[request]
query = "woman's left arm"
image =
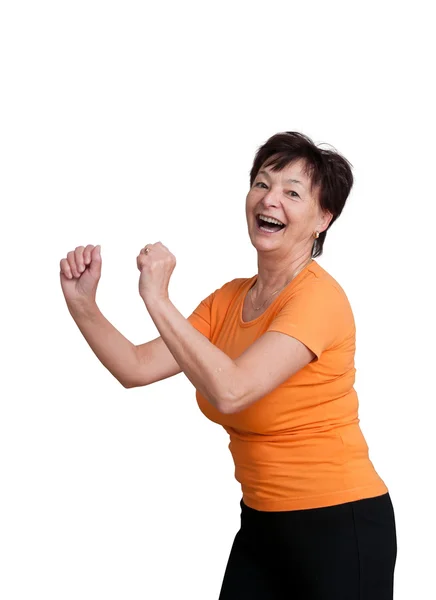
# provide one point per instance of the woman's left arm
(229, 385)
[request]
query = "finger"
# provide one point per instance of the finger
(87, 254)
(140, 261)
(80, 265)
(65, 269)
(72, 262)
(95, 264)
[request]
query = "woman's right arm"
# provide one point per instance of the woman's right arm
(131, 365)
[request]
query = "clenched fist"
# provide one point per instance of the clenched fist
(80, 274)
(156, 264)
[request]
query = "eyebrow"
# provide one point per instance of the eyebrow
(287, 180)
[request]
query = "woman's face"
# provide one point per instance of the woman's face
(286, 196)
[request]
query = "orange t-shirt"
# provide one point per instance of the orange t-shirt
(299, 446)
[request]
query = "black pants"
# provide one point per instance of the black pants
(343, 552)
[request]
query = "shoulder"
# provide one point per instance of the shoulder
(235, 285)
(221, 299)
(231, 289)
(315, 310)
(321, 276)
(319, 283)
(316, 295)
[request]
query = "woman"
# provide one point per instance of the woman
(272, 360)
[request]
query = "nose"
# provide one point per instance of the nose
(271, 198)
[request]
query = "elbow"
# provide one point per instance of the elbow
(128, 384)
(229, 409)
(236, 401)
(228, 405)
(222, 408)
(233, 398)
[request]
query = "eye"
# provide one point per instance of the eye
(260, 183)
(293, 194)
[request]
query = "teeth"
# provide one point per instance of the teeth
(270, 220)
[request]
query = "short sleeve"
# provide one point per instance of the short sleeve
(201, 318)
(316, 314)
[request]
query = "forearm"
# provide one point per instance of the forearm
(113, 350)
(209, 369)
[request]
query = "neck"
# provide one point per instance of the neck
(273, 276)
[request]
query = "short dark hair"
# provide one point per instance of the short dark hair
(327, 169)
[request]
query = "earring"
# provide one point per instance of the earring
(316, 234)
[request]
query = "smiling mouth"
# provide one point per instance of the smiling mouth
(268, 227)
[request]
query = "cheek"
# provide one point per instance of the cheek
(299, 216)
(250, 202)
(294, 213)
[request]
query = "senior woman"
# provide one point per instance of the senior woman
(272, 360)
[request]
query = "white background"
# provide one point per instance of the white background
(124, 123)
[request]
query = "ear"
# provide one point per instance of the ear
(326, 217)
